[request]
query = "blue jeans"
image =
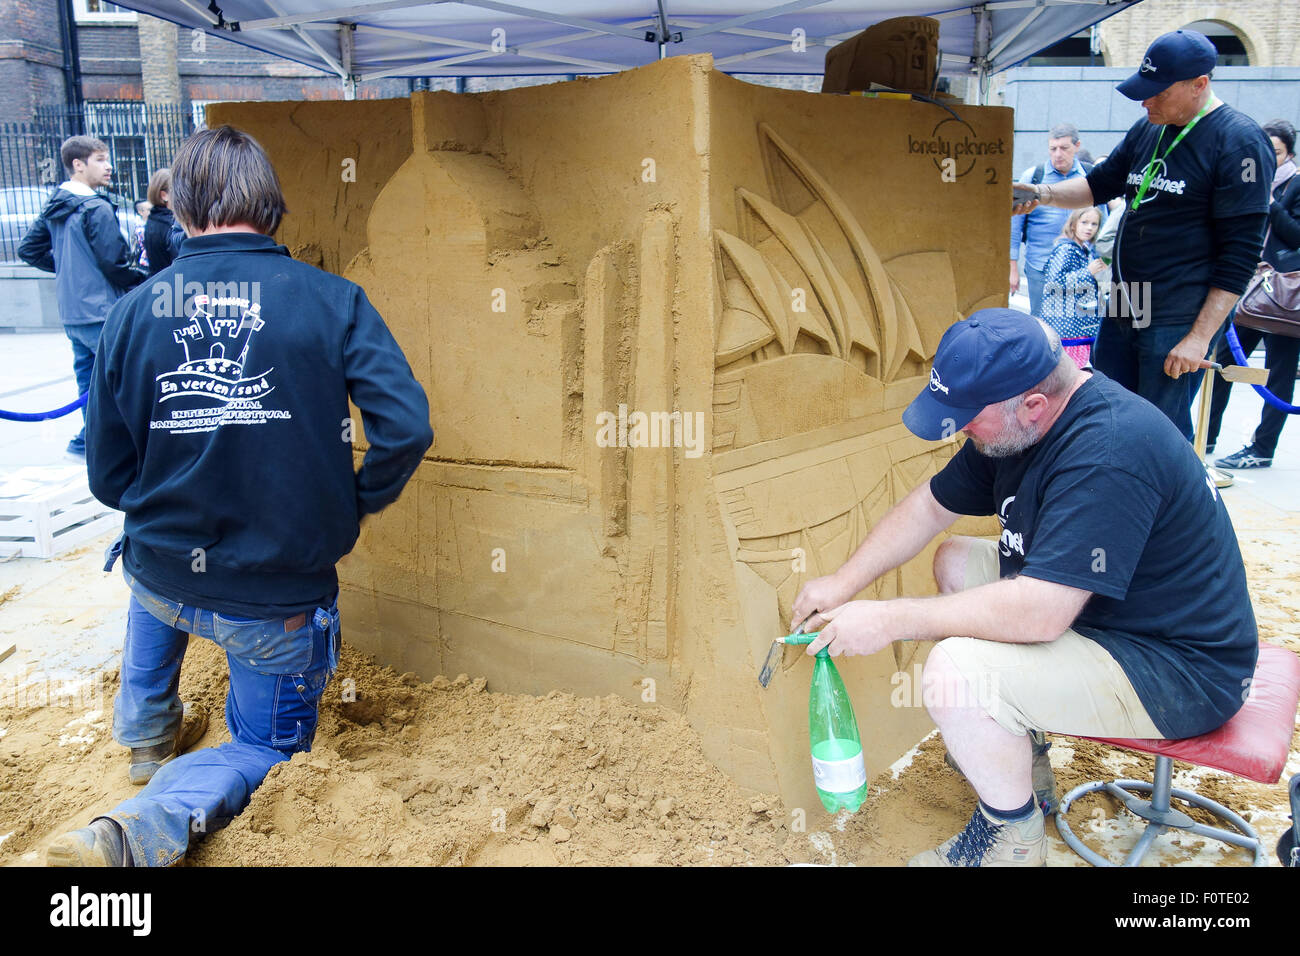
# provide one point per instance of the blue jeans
(85, 342)
(278, 671)
(1037, 278)
(1136, 359)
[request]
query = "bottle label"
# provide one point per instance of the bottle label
(839, 776)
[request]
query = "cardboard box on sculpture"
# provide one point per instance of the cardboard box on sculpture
(667, 321)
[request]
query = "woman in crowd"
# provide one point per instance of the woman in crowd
(1071, 296)
(1282, 252)
(162, 233)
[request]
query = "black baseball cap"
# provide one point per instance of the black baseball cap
(1181, 55)
(990, 357)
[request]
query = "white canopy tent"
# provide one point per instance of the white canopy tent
(370, 39)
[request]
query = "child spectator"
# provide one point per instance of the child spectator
(138, 253)
(1071, 296)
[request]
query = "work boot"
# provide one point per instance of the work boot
(1044, 778)
(990, 842)
(145, 761)
(101, 844)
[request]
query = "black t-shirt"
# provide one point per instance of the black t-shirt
(1114, 500)
(1223, 168)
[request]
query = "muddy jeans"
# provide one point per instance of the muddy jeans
(278, 670)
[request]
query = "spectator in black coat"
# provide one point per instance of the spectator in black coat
(1281, 352)
(162, 233)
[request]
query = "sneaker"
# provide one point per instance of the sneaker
(1248, 457)
(76, 450)
(145, 761)
(101, 844)
(990, 842)
(1044, 778)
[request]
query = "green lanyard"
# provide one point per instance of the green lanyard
(1151, 166)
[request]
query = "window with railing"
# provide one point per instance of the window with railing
(123, 126)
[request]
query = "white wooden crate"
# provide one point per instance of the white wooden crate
(48, 509)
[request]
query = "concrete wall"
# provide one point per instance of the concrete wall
(27, 300)
(1045, 95)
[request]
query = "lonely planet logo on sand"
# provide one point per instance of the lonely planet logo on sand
(956, 140)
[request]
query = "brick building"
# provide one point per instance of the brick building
(125, 56)
(1268, 31)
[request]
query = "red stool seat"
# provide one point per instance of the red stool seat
(1255, 743)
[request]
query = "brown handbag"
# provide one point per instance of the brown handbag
(1271, 303)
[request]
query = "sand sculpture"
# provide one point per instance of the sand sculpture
(901, 53)
(667, 321)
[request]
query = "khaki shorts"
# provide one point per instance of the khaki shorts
(1067, 686)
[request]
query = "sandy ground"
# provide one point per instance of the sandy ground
(448, 772)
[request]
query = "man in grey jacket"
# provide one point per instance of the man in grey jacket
(78, 239)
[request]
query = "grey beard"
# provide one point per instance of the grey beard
(1016, 439)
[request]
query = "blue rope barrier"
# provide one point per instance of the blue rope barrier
(1239, 357)
(1084, 341)
(42, 416)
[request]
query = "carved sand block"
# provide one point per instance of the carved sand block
(668, 322)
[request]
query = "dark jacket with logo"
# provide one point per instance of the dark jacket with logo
(163, 236)
(77, 238)
(218, 421)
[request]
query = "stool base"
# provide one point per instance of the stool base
(1159, 814)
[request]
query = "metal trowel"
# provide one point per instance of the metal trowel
(1242, 373)
(778, 646)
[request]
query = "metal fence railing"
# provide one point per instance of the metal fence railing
(140, 137)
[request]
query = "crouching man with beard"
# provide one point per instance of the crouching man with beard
(1113, 605)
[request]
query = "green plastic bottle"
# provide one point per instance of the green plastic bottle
(838, 769)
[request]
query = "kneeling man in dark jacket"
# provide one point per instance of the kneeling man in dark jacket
(218, 422)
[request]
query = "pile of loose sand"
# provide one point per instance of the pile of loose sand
(445, 771)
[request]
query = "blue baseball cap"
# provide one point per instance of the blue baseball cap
(990, 357)
(1181, 55)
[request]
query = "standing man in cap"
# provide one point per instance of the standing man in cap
(1079, 619)
(1195, 177)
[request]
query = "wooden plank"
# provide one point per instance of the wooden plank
(53, 518)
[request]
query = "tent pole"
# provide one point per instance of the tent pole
(346, 40)
(980, 55)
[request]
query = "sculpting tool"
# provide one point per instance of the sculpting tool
(778, 645)
(1242, 373)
